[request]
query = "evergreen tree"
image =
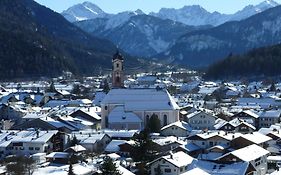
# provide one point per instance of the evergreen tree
(51, 88)
(74, 141)
(70, 169)
(105, 86)
(19, 165)
(154, 124)
(272, 87)
(76, 89)
(109, 167)
(143, 150)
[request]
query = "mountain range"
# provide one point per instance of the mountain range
(196, 15)
(193, 15)
(139, 35)
(201, 48)
(190, 36)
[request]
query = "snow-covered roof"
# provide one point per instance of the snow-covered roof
(178, 159)
(57, 124)
(190, 147)
(181, 124)
(113, 156)
(249, 153)
(99, 96)
(118, 115)
(113, 146)
(235, 123)
(141, 99)
(76, 148)
(167, 140)
(89, 139)
(147, 78)
(256, 137)
(222, 134)
(78, 102)
(207, 90)
(213, 168)
(197, 171)
(27, 136)
(271, 114)
(195, 113)
(121, 133)
(60, 155)
(251, 113)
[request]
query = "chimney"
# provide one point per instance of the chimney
(37, 133)
(171, 155)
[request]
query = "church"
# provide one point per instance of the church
(131, 108)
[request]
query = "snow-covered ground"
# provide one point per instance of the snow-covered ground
(78, 169)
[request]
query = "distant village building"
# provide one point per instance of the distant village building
(255, 155)
(178, 129)
(174, 163)
(201, 120)
(268, 118)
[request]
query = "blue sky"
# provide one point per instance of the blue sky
(115, 6)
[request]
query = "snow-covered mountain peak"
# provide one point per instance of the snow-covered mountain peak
(139, 12)
(266, 5)
(193, 7)
(83, 11)
(92, 7)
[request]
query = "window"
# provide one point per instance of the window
(117, 65)
(105, 108)
(37, 148)
(31, 148)
(165, 119)
(118, 79)
(203, 143)
(167, 170)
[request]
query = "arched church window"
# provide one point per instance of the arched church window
(118, 79)
(147, 118)
(165, 119)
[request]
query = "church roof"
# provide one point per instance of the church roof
(118, 56)
(118, 115)
(141, 99)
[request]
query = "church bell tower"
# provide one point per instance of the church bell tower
(118, 71)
